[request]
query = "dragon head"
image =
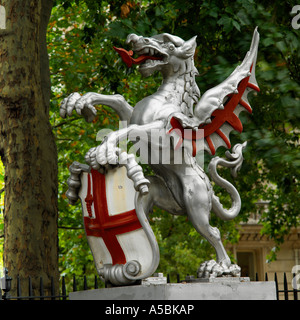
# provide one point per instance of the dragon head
(164, 52)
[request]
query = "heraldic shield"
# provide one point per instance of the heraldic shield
(122, 242)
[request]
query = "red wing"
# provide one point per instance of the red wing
(217, 112)
(223, 103)
(224, 121)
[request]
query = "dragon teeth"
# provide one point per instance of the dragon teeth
(149, 51)
(144, 51)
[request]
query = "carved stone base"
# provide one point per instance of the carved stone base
(218, 290)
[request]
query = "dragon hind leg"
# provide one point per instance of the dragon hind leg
(197, 199)
(222, 266)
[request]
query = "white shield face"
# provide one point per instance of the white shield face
(113, 230)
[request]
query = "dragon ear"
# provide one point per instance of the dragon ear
(166, 37)
(188, 48)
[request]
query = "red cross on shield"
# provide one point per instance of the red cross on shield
(112, 227)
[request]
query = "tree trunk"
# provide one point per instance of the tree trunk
(27, 145)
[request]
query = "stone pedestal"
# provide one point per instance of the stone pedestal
(213, 290)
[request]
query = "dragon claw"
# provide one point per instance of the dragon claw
(83, 105)
(213, 269)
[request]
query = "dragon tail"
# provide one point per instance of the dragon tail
(235, 164)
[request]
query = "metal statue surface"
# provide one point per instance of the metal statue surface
(177, 110)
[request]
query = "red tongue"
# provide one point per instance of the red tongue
(127, 57)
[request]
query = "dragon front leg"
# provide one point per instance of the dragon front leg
(108, 152)
(84, 105)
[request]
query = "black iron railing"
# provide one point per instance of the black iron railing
(76, 284)
(82, 284)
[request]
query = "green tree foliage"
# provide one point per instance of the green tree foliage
(80, 39)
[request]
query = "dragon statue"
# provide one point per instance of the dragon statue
(178, 110)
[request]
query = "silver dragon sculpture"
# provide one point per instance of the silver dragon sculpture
(177, 106)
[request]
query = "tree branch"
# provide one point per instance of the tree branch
(64, 139)
(70, 228)
(64, 122)
(1, 190)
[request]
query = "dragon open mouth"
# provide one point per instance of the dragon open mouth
(147, 56)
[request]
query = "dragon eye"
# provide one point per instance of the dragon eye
(171, 47)
(146, 40)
